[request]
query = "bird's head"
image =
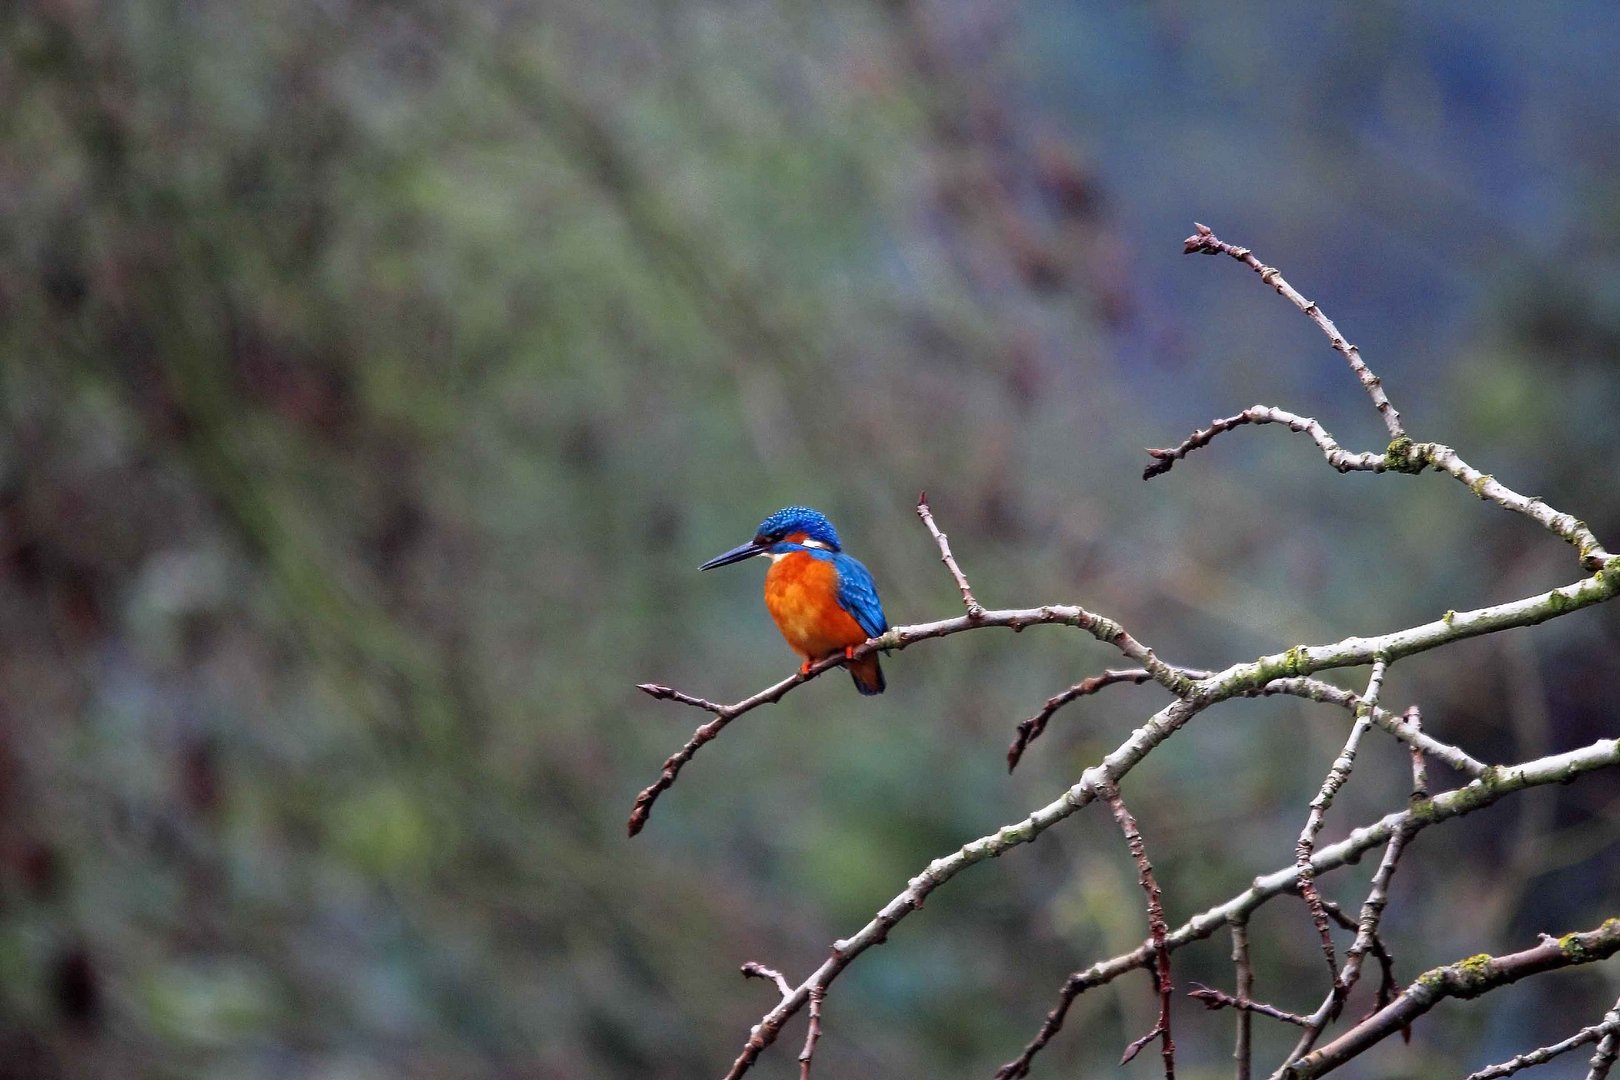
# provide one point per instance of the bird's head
(789, 528)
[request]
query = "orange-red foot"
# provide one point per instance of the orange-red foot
(804, 668)
(849, 652)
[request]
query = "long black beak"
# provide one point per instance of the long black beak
(736, 554)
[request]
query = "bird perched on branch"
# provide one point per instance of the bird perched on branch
(823, 601)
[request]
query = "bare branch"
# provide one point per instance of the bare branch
(1219, 999)
(1159, 727)
(1413, 719)
(1372, 913)
(1242, 1050)
(1400, 726)
(1206, 242)
(1570, 528)
(1239, 678)
(1452, 626)
(1606, 1029)
(974, 609)
(1403, 727)
(1157, 930)
(1372, 910)
(751, 970)
(1031, 729)
(1100, 627)
(1337, 456)
(1319, 691)
(1500, 782)
(1336, 777)
(1288, 672)
(723, 715)
(813, 1034)
(1388, 987)
(1402, 454)
(1463, 979)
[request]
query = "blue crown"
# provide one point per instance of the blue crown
(800, 519)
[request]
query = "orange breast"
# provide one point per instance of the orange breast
(801, 593)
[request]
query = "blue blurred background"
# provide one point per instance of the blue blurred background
(374, 377)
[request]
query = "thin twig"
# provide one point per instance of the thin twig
(1206, 242)
(1607, 1028)
(1366, 926)
(1219, 999)
(723, 715)
(1402, 455)
(1157, 930)
(1372, 909)
(1387, 987)
(1366, 941)
(1337, 456)
(1413, 718)
(751, 970)
(974, 609)
(1243, 1050)
(1463, 979)
(814, 1033)
(1031, 729)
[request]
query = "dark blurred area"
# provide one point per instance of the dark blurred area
(374, 377)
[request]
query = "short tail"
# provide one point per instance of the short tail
(867, 674)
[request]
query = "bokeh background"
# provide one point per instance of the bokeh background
(373, 377)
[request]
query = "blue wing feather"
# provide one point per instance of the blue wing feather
(857, 594)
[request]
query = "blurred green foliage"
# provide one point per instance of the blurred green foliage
(372, 378)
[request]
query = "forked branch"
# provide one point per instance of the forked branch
(1464, 979)
(1402, 454)
(1336, 778)
(1403, 727)
(896, 638)
(1288, 672)
(1497, 785)
(1204, 241)
(1606, 1030)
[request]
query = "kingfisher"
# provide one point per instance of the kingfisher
(823, 601)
